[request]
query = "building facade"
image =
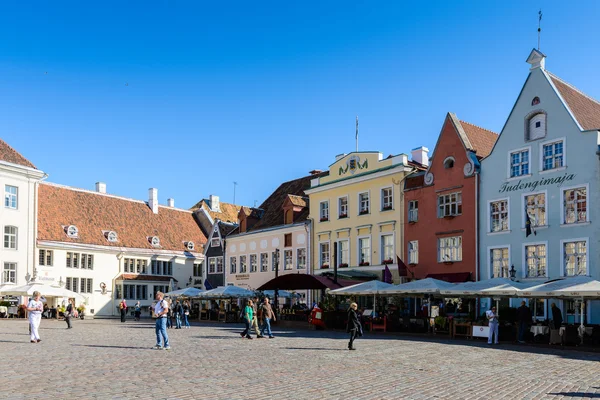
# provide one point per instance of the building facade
(357, 214)
(107, 247)
(537, 185)
(440, 205)
(18, 181)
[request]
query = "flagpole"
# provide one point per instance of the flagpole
(357, 133)
(539, 27)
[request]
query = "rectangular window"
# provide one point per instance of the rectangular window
(535, 259)
(364, 251)
(198, 268)
(10, 196)
(9, 273)
(215, 241)
(499, 216)
(413, 252)
(10, 237)
(82, 285)
(301, 258)
(450, 249)
(212, 265)
(46, 257)
(324, 211)
(264, 262)
(535, 207)
(499, 262)
(363, 203)
(144, 266)
(141, 292)
(154, 267)
(69, 262)
(275, 260)
(553, 155)
(287, 240)
(83, 261)
(575, 255)
(253, 263)
(75, 283)
(387, 249)
(343, 253)
(289, 259)
(387, 202)
(69, 286)
(413, 211)
(575, 205)
(324, 255)
(519, 163)
(138, 266)
(450, 205)
(243, 265)
(75, 260)
(233, 265)
(343, 207)
(90, 285)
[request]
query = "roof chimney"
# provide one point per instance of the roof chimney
(100, 187)
(421, 155)
(215, 205)
(315, 172)
(153, 200)
(171, 202)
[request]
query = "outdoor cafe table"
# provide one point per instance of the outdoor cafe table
(540, 330)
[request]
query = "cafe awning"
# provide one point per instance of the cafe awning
(305, 282)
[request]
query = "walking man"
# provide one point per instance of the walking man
(493, 324)
(161, 309)
(178, 314)
(524, 319)
(268, 315)
(255, 318)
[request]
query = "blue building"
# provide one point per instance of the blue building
(537, 186)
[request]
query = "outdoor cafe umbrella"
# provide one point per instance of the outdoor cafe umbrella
(226, 292)
(421, 286)
(187, 292)
(364, 288)
(45, 290)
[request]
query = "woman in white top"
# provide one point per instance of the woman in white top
(35, 308)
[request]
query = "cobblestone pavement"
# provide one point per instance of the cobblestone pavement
(104, 359)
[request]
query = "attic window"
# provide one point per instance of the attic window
(189, 245)
(449, 163)
(154, 241)
(535, 126)
(535, 101)
(111, 236)
(72, 231)
(215, 241)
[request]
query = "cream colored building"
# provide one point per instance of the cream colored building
(357, 215)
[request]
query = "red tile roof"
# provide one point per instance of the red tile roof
(132, 220)
(585, 109)
(298, 201)
(229, 212)
(481, 139)
(10, 155)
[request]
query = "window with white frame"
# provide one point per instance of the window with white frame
(499, 259)
(535, 207)
(449, 205)
(243, 265)
(535, 259)
(575, 205)
(538, 308)
(324, 254)
(499, 216)
(364, 251)
(553, 155)
(324, 211)
(160, 267)
(301, 258)
(450, 249)
(343, 207)
(413, 252)
(274, 260)
(233, 265)
(46, 257)
(413, 211)
(575, 258)
(343, 253)
(215, 241)
(212, 265)
(253, 262)
(219, 265)
(363, 203)
(10, 196)
(9, 273)
(519, 163)
(288, 256)
(387, 249)
(10, 237)
(264, 262)
(387, 201)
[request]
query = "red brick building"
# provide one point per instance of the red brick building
(440, 231)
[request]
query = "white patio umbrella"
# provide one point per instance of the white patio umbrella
(421, 286)
(187, 292)
(364, 288)
(226, 292)
(486, 288)
(45, 290)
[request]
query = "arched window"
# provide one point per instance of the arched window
(535, 101)
(535, 125)
(449, 163)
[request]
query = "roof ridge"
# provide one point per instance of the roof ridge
(75, 189)
(477, 126)
(573, 87)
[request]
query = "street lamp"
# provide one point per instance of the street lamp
(60, 282)
(512, 272)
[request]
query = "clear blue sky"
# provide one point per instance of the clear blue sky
(189, 96)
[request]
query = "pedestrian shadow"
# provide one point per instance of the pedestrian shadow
(11, 341)
(136, 326)
(577, 394)
(214, 337)
(101, 346)
(314, 348)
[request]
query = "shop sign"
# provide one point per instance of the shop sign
(533, 185)
(242, 276)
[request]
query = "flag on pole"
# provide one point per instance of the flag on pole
(528, 227)
(207, 285)
(402, 268)
(387, 275)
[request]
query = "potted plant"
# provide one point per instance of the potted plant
(363, 212)
(388, 261)
(364, 264)
(345, 215)
(325, 266)
(324, 219)
(342, 265)
(81, 311)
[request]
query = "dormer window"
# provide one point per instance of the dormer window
(535, 101)
(154, 241)
(536, 126)
(449, 163)
(72, 231)
(111, 236)
(190, 246)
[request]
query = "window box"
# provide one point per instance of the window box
(388, 261)
(412, 264)
(363, 212)
(448, 262)
(324, 219)
(386, 208)
(343, 265)
(364, 264)
(325, 266)
(343, 216)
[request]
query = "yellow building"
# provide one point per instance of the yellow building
(357, 213)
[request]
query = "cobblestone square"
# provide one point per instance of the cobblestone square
(104, 359)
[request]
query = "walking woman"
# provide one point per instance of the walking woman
(123, 309)
(354, 328)
(35, 308)
(69, 312)
(138, 311)
(186, 313)
(248, 314)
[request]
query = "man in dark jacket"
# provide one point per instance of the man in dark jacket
(524, 319)
(354, 328)
(556, 316)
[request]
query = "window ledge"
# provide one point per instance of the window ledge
(499, 233)
(575, 224)
(536, 228)
(514, 178)
(547, 171)
(386, 209)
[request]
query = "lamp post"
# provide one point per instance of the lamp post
(276, 292)
(512, 272)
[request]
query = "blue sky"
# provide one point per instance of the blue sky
(190, 96)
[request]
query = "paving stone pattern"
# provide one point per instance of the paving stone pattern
(104, 359)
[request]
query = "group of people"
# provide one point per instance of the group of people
(252, 313)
